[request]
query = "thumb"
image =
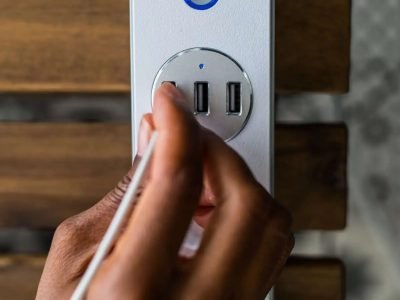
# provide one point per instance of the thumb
(97, 218)
(113, 198)
(76, 239)
(110, 203)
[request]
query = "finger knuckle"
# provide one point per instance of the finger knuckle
(115, 196)
(281, 217)
(180, 178)
(68, 230)
(255, 203)
(251, 206)
(256, 206)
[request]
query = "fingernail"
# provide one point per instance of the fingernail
(145, 132)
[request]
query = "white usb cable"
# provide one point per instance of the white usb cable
(188, 249)
(115, 227)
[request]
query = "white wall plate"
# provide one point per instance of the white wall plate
(187, 41)
(242, 30)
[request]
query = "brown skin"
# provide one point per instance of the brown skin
(194, 173)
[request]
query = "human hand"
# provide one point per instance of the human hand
(193, 174)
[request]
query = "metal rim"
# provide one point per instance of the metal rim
(177, 55)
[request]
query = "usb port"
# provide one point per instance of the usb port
(201, 97)
(234, 98)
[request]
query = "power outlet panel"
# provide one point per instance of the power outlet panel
(220, 54)
(215, 85)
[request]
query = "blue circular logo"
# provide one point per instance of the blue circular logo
(201, 4)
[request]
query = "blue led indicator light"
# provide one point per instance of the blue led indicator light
(201, 66)
(201, 4)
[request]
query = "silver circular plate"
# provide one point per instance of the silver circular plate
(218, 70)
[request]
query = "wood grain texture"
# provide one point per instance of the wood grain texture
(310, 175)
(312, 279)
(302, 279)
(51, 171)
(19, 276)
(67, 45)
(313, 45)
(83, 46)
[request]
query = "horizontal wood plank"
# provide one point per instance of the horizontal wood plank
(313, 45)
(83, 46)
(51, 171)
(19, 276)
(312, 279)
(311, 174)
(302, 279)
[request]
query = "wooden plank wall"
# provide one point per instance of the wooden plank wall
(311, 174)
(52, 171)
(76, 46)
(312, 45)
(321, 279)
(298, 281)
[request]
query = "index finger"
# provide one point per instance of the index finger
(160, 221)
